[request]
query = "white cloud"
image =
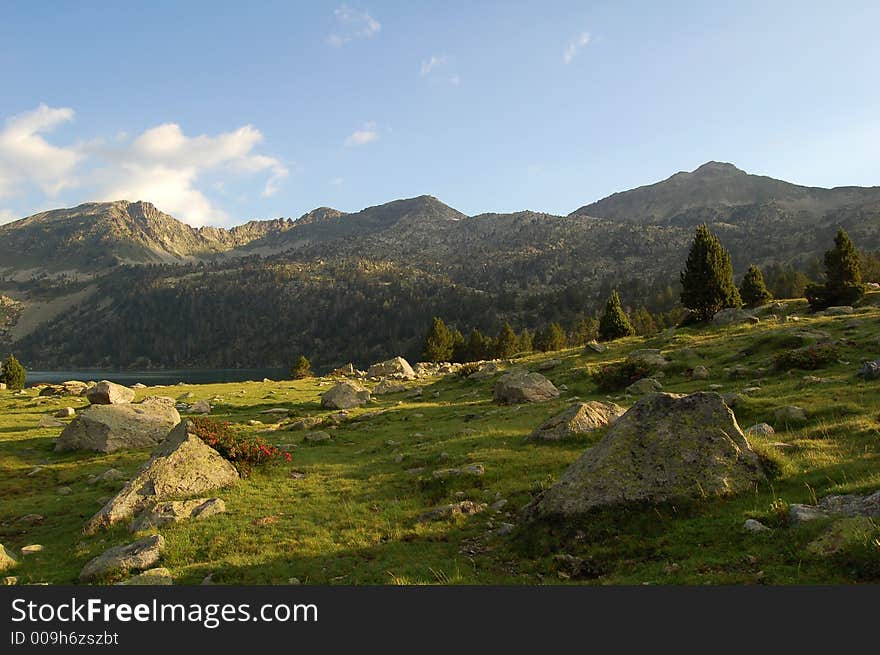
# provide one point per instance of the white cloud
(6, 215)
(363, 136)
(163, 165)
(352, 24)
(430, 64)
(575, 47)
(26, 158)
(455, 80)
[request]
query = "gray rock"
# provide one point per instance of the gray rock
(666, 447)
(397, 367)
(387, 386)
(760, 430)
(7, 559)
(150, 578)
(843, 534)
(843, 310)
(200, 407)
(318, 436)
(578, 419)
(798, 514)
(109, 393)
(596, 347)
(647, 357)
(107, 428)
(345, 395)
(65, 412)
(520, 386)
(49, 422)
(548, 364)
(165, 513)
(181, 466)
(870, 370)
(732, 316)
(751, 525)
(463, 508)
(475, 470)
(700, 373)
(844, 505)
(790, 414)
(643, 386)
(136, 556)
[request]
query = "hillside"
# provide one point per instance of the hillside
(723, 186)
(361, 286)
(351, 508)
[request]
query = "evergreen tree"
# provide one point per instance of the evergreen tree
(707, 280)
(752, 289)
(843, 276)
(643, 323)
(585, 330)
(476, 348)
(439, 342)
(508, 343)
(13, 373)
(458, 347)
(554, 338)
(526, 341)
(614, 324)
(302, 369)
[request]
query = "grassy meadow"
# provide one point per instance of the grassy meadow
(345, 511)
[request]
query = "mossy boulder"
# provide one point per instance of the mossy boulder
(107, 428)
(666, 447)
(173, 511)
(182, 465)
(520, 386)
(136, 556)
(109, 393)
(578, 419)
(844, 534)
(345, 395)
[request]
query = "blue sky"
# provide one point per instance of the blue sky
(220, 112)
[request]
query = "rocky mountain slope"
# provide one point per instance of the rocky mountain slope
(356, 286)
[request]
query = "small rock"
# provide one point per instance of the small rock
(65, 412)
(32, 549)
(751, 525)
(790, 414)
(760, 430)
(64, 491)
(150, 577)
(136, 556)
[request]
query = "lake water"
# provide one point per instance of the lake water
(167, 377)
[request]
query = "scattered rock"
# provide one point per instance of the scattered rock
(595, 346)
(49, 422)
(760, 430)
(520, 386)
(700, 373)
(648, 357)
(843, 310)
(751, 525)
(870, 370)
(387, 386)
(643, 386)
(345, 395)
(65, 412)
(463, 508)
(138, 385)
(548, 364)
(200, 407)
(107, 428)
(109, 393)
(844, 534)
(161, 514)
(665, 447)
(7, 560)
(732, 316)
(318, 436)
(64, 491)
(571, 567)
(136, 556)
(306, 423)
(397, 367)
(790, 414)
(580, 418)
(475, 470)
(32, 549)
(150, 578)
(110, 475)
(182, 465)
(843, 505)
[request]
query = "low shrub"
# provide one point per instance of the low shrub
(468, 369)
(619, 375)
(243, 450)
(808, 358)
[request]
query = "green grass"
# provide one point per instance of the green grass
(352, 518)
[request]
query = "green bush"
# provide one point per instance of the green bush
(619, 375)
(14, 374)
(809, 358)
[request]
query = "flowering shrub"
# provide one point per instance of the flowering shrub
(243, 450)
(809, 358)
(613, 377)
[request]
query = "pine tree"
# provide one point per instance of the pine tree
(302, 369)
(585, 330)
(458, 347)
(707, 280)
(439, 342)
(555, 338)
(643, 323)
(752, 289)
(526, 341)
(614, 324)
(476, 348)
(843, 276)
(14, 374)
(508, 343)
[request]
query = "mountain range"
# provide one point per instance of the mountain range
(150, 290)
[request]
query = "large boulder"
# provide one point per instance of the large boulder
(520, 386)
(643, 386)
(580, 418)
(7, 559)
(666, 447)
(345, 395)
(182, 465)
(173, 511)
(397, 367)
(107, 428)
(136, 556)
(732, 316)
(109, 393)
(649, 357)
(844, 505)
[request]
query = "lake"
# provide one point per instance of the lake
(167, 377)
